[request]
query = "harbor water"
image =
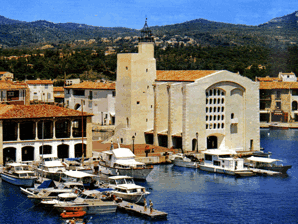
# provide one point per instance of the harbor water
(193, 196)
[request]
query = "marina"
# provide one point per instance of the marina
(190, 195)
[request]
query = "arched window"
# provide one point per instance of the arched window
(294, 105)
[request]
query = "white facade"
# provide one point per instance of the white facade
(41, 90)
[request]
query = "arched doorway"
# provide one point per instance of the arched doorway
(28, 153)
(46, 149)
(9, 154)
(77, 106)
(63, 151)
(212, 142)
(194, 144)
(78, 150)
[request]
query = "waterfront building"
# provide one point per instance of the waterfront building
(192, 109)
(96, 97)
(278, 98)
(41, 90)
(14, 92)
(29, 132)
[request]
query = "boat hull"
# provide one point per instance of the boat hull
(89, 209)
(216, 170)
(137, 198)
(185, 164)
(25, 182)
(280, 169)
(139, 174)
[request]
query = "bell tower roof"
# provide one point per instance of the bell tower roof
(146, 34)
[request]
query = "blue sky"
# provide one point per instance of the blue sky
(132, 13)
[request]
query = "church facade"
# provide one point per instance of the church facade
(193, 110)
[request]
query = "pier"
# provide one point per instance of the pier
(138, 210)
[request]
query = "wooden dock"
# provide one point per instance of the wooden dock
(139, 211)
(265, 172)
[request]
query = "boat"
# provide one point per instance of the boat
(74, 164)
(87, 179)
(225, 162)
(185, 161)
(121, 161)
(38, 187)
(51, 167)
(78, 214)
(90, 201)
(267, 164)
(125, 188)
(64, 197)
(18, 174)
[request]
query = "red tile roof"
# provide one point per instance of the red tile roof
(37, 111)
(268, 79)
(9, 85)
(182, 75)
(278, 85)
(93, 85)
(37, 82)
(58, 89)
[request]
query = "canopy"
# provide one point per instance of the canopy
(128, 162)
(46, 184)
(262, 159)
(78, 174)
(123, 153)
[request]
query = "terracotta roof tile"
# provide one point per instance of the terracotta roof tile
(93, 85)
(58, 89)
(268, 79)
(37, 111)
(36, 82)
(9, 85)
(182, 75)
(278, 85)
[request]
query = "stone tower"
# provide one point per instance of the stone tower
(136, 74)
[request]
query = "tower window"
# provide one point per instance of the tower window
(138, 102)
(126, 68)
(146, 69)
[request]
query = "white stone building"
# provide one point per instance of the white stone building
(41, 90)
(96, 97)
(192, 110)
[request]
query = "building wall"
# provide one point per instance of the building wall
(41, 93)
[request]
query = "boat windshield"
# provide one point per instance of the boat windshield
(120, 181)
(129, 181)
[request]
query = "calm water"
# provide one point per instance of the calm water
(193, 196)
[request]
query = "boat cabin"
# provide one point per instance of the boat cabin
(260, 162)
(119, 180)
(223, 159)
(130, 189)
(81, 177)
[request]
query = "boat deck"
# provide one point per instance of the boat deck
(139, 210)
(265, 172)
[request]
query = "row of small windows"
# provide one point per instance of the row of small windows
(215, 126)
(214, 118)
(214, 109)
(210, 101)
(215, 92)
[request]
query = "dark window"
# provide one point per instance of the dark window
(79, 92)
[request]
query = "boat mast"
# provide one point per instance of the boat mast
(82, 134)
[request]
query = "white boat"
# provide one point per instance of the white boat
(90, 201)
(87, 179)
(64, 197)
(18, 174)
(263, 163)
(182, 160)
(125, 188)
(51, 168)
(121, 161)
(74, 164)
(225, 162)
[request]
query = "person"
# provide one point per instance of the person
(147, 150)
(145, 204)
(150, 206)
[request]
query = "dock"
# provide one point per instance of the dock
(265, 172)
(139, 211)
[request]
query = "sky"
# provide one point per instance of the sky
(132, 13)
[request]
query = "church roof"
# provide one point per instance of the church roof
(182, 75)
(37, 111)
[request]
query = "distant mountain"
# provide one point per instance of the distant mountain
(278, 32)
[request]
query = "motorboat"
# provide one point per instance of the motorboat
(74, 164)
(267, 164)
(63, 197)
(125, 188)
(88, 180)
(121, 161)
(90, 201)
(225, 162)
(183, 160)
(50, 167)
(19, 174)
(38, 187)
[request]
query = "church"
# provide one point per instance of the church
(192, 110)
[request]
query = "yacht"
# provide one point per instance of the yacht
(121, 161)
(125, 188)
(64, 197)
(74, 164)
(87, 179)
(224, 161)
(51, 168)
(90, 201)
(18, 174)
